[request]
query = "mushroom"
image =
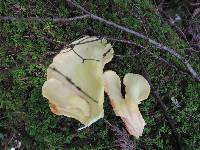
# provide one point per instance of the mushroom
(137, 89)
(74, 85)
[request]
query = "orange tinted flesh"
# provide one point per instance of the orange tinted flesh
(53, 108)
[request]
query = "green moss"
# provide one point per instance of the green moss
(24, 59)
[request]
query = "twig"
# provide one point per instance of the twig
(194, 4)
(177, 68)
(168, 117)
(123, 141)
(81, 42)
(178, 30)
(72, 83)
(127, 56)
(98, 38)
(116, 55)
(121, 41)
(71, 46)
(139, 35)
(65, 44)
(83, 59)
(10, 18)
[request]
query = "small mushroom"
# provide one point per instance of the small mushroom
(74, 85)
(137, 89)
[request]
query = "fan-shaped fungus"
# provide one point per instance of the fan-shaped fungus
(74, 85)
(137, 89)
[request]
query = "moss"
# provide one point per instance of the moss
(24, 59)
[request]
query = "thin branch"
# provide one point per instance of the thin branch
(66, 45)
(72, 83)
(177, 68)
(178, 30)
(10, 18)
(116, 55)
(127, 56)
(70, 46)
(168, 117)
(139, 35)
(81, 42)
(194, 4)
(83, 59)
(122, 141)
(121, 41)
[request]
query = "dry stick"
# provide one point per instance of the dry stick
(72, 83)
(83, 59)
(123, 138)
(194, 4)
(66, 45)
(115, 40)
(121, 41)
(71, 46)
(176, 67)
(140, 46)
(10, 18)
(145, 49)
(152, 42)
(178, 31)
(168, 117)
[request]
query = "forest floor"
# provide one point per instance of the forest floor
(26, 50)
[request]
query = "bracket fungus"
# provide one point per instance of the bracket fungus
(74, 85)
(137, 89)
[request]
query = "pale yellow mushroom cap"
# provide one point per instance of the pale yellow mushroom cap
(60, 104)
(75, 87)
(137, 89)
